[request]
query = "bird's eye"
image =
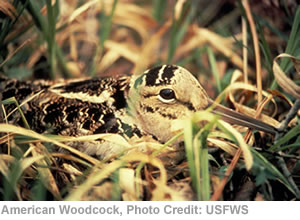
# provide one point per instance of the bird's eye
(167, 95)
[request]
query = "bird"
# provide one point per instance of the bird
(131, 106)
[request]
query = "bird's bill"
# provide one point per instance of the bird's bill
(234, 117)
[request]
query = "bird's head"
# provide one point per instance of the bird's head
(164, 94)
(167, 93)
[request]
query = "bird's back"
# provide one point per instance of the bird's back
(72, 108)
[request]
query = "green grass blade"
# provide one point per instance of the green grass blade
(266, 50)
(292, 45)
(106, 25)
(188, 143)
(158, 11)
(37, 17)
(107, 22)
(204, 164)
(214, 68)
(8, 24)
(293, 42)
(52, 15)
(179, 27)
(271, 168)
(265, 23)
(291, 147)
(10, 185)
(13, 100)
(197, 156)
(294, 132)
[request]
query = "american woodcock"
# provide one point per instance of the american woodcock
(130, 106)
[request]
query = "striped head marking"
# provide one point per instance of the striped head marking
(164, 94)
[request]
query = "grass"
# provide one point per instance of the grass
(72, 39)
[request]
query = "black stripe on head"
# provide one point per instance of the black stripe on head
(152, 75)
(154, 78)
(168, 73)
